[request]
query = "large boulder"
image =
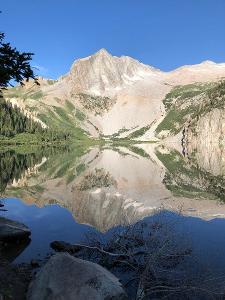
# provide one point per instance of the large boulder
(14, 280)
(70, 278)
(12, 230)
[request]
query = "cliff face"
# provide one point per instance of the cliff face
(206, 140)
(203, 128)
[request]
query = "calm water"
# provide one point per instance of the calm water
(67, 193)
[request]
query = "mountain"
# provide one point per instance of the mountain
(109, 96)
(103, 73)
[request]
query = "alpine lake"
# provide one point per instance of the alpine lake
(69, 192)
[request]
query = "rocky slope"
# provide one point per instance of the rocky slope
(107, 95)
(206, 142)
(196, 115)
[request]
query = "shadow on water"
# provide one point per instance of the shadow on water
(47, 224)
(53, 222)
(11, 251)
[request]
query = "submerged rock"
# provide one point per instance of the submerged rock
(61, 246)
(13, 230)
(66, 277)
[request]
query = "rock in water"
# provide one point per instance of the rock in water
(69, 278)
(12, 230)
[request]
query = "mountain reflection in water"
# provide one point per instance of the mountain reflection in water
(104, 187)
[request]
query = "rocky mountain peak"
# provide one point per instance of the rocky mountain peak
(102, 52)
(208, 62)
(103, 73)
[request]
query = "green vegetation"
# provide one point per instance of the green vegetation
(69, 110)
(96, 179)
(58, 118)
(15, 92)
(13, 121)
(185, 179)
(13, 165)
(119, 148)
(74, 172)
(65, 118)
(37, 95)
(62, 114)
(139, 151)
(61, 121)
(17, 128)
(175, 119)
(80, 115)
(69, 105)
(80, 168)
(116, 134)
(96, 104)
(14, 65)
(46, 137)
(51, 81)
(185, 92)
(60, 161)
(66, 163)
(139, 132)
(34, 93)
(38, 188)
(133, 135)
(21, 138)
(188, 103)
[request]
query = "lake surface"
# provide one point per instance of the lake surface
(69, 192)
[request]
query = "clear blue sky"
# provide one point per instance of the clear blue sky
(162, 33)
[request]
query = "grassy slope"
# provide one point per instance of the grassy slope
(66, 118)
(190, 102)
(183, 103)
(188, 180)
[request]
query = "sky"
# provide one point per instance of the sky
(162, 33)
